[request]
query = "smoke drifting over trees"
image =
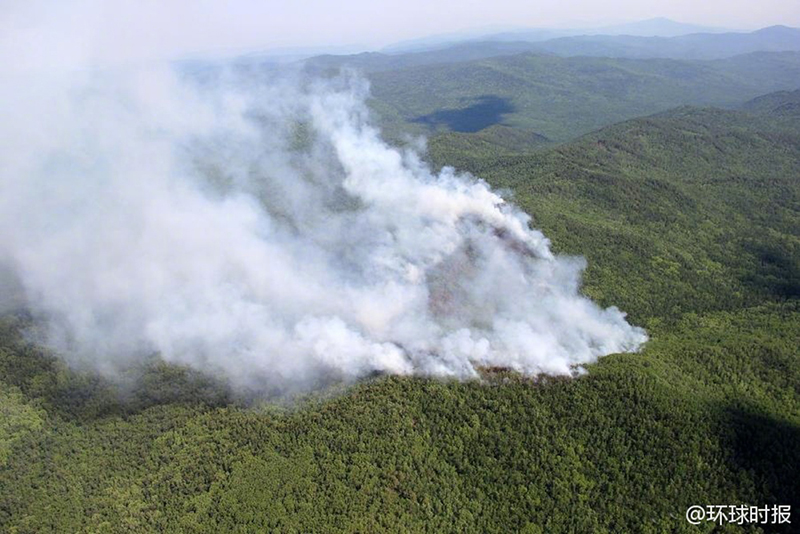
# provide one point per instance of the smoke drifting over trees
(263, 232)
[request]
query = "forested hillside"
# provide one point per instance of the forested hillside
(708, 199)
(779, 104)
(689, 221)
(561, 98)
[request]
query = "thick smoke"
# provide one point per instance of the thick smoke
(262, 231)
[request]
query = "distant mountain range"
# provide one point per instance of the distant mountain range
(689, 46)
(656, 27)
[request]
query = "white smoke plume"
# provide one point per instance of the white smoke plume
(260, 230)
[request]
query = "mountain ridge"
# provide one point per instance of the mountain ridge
(696, 46)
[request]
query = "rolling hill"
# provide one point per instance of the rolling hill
(779, 104)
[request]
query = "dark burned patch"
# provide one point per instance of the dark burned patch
(496, 375)
(513, 243)
(496, 369)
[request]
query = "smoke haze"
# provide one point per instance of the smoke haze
(260, 230)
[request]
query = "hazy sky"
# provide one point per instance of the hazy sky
(122, 30)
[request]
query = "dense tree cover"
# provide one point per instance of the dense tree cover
(496, 140)
(689, 221)
(561, 98)
(708, 413)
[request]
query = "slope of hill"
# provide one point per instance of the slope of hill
(779, 104)
(689, 221)
(496, 140)
(561, 98)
